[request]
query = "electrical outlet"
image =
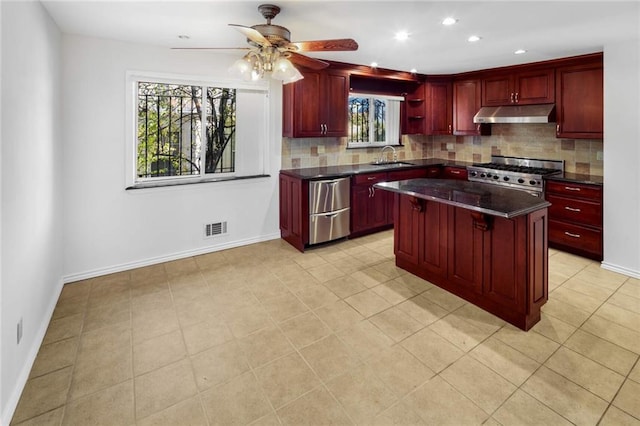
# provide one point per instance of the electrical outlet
(599, 155)
(449, 147)
(19, 331)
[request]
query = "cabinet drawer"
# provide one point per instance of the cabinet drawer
(434, 171)
(570, 189)
(370, 178)
(455, 173)
(407, 174)
(579, 237)
(580, 211)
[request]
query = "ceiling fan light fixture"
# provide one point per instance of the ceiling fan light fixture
(249, 68)
(283, 69)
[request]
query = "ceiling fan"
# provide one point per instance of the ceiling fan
(273, 51)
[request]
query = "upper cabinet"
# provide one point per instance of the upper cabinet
(439, 107)
(466, 103)
(520, 88)
(579, 101)
(414, 112)
(316, 106)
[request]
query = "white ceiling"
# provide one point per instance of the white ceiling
(546, 29)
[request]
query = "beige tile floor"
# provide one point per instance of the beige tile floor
(338, 335)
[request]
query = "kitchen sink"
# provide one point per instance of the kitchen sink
(391, 163)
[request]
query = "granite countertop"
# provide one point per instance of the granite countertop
(578, 178)
(480, 197)
(354, 169)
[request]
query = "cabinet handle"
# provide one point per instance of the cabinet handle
(571, 209)
(449, 128)
(326, 129)
(478, 127)
(570, 188)
(371, 178)
(454, 172)
(571, 235)
(511, 98)
(558, 128)
(517, 100)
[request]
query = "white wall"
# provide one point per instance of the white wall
(107, 228)
(622, 157)
(31, 170)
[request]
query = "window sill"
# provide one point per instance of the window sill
(180, 182)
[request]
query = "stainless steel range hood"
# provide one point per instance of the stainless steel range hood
(545, 113)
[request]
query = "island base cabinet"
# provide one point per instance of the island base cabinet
(498, 264)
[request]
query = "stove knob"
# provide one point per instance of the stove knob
(488, 175)
(474, 173)
(482, 175)
(520, 180)
(533, 182)
(496, 177)
(506, 178)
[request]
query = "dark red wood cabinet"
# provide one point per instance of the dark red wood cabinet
(453, 172)
(575, 217)
(521, 88)
(439, 107)
(498, 264)
(579, 101)
(415, 112)
(294, 210)
(466, 103)
(316, 106)
(368, 205)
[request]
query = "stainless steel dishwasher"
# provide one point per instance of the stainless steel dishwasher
(329, 211)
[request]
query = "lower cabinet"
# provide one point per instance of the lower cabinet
(372, 209)
(575, 217)
(294, 211)
(496, 263)
(368, 206)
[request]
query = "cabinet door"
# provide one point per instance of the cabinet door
(579, 101)
(465, 256)
(497, 90)
(401, 175)
(360, 199)
(293, 211)
(433, 241)
(308, 109)
(439, 111)
(535, 87)
(466, 103)
(335, 99)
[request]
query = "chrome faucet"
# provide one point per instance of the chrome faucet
(382, 153)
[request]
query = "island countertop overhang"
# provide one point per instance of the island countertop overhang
(480, 197)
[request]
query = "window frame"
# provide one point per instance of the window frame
(131, 179)
(386, 98)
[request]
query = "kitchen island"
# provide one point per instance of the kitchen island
(486, 244)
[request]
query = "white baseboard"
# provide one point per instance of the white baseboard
(166, 258)
(12, 402)
(620, 269)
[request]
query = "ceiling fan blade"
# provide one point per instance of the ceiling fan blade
(251, 34)
(307, 62)
(210, 48)
(339, 44)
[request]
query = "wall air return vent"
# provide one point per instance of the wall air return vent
(214, 229)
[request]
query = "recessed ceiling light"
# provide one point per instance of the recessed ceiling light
(474, 38)
(374, 64)
(520, 51)
(413, 71)
(449, 21)
(184, 37)
(401, 35)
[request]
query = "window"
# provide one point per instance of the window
(374, 120)
(186, 132)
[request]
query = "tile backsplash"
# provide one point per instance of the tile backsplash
(518, 140)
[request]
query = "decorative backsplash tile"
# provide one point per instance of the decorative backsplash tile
(518, 140)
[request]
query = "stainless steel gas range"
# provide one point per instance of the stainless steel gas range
(518, 173)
